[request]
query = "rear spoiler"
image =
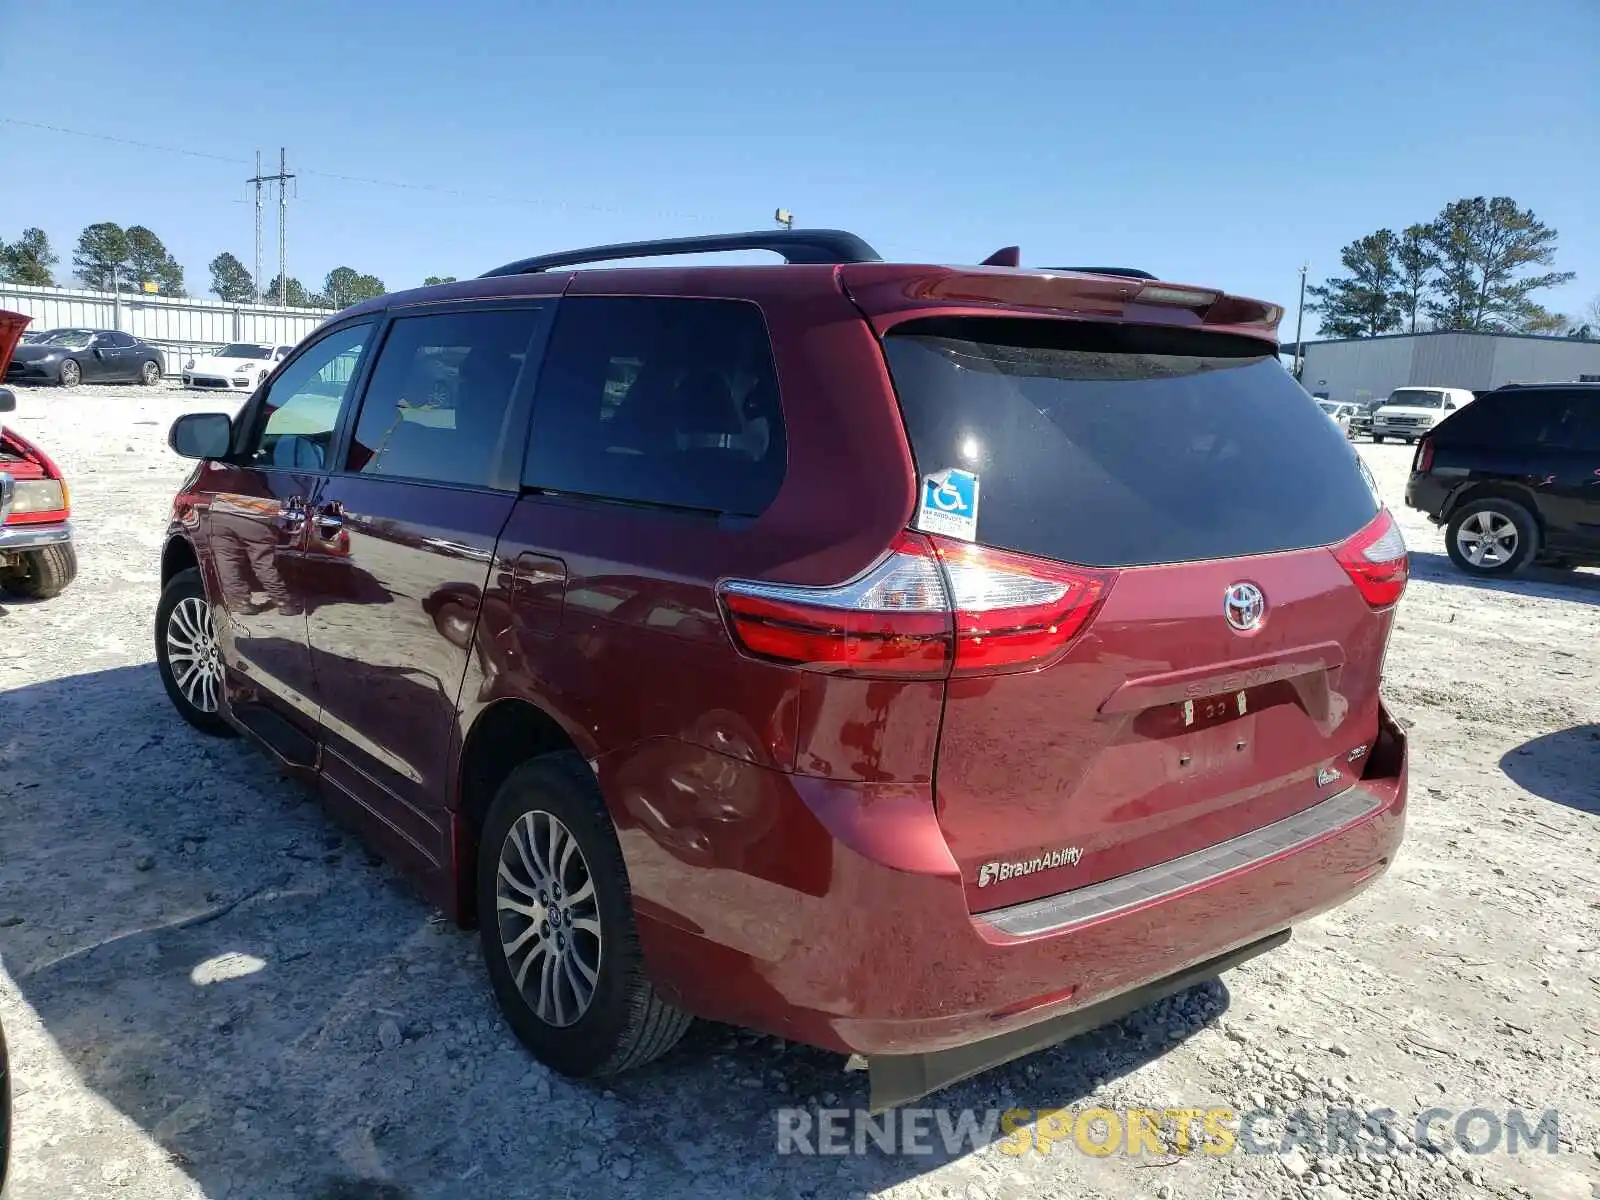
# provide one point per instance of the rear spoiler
(890, 293)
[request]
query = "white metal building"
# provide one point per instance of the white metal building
(1361, 369)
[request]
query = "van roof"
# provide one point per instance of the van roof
(888, 292)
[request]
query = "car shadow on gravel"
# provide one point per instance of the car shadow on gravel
(1579, 587)
(283, 1017)
(1563, 767)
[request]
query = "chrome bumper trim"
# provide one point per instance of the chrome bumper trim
(34, 537)
(1050, 914)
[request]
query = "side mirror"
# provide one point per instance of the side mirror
(8, 400)
(201, 435)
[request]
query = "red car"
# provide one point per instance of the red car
(37, 559)
(924, 662)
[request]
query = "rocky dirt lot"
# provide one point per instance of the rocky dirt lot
(211, 990)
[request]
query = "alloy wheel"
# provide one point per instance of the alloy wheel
(193, 655)
(150, 374)
(70, 374)
(548, 919)
(1488, 539)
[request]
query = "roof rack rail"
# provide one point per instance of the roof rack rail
(796, 246)
(1125, 272)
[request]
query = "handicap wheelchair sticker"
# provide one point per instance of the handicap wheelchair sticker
(949, 504)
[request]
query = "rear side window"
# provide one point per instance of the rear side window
(659, 401)
(440, 392)
(1542, 417)
(1117, 446)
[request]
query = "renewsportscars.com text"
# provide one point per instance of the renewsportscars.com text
(1100, 1132)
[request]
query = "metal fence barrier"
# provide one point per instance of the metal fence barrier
(178, 328)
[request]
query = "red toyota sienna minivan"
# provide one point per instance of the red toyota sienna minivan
(922, 662)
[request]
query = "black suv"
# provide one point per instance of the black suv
(1515, 478)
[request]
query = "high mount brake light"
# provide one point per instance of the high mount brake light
(1376, 561)
(930, 607)
(1161, 293)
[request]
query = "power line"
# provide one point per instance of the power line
(436, 189)
(106, 137)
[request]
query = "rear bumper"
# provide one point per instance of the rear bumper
(901, 1078)
(34, 537)
(876, 952)
(1428, 494)
(5, 1110)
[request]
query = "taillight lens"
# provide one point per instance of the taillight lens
(1424, 461)
(930, 607)
(1013, 611)
(1376, 561)
(894, 620)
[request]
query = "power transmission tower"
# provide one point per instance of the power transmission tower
(283, 224)
(257, 180)
(282, 180)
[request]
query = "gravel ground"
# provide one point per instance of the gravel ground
(211, 990)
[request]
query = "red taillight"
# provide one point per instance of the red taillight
(1376, 561)
(1424, 460)
(931, 606)
(1012, 611)
(893, 620)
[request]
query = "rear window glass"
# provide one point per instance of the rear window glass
(1548, 417)
(1118, 446)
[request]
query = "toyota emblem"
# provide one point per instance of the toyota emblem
(1244, 606)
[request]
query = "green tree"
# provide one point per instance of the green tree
(1416, 260)
(150, 263)
(101, 257)
(1365, 303)
(433, 279)
(230, 281)
(28, 259)
(345, 286)
(295, 295)
(1484, 249)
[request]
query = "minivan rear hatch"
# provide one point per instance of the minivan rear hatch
(1233, 568)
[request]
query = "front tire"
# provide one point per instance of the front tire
(71, 374)
(1492, 537)
(150, 373)
(555, 916)
(188, 655)
(1378, 438)
(41, 574)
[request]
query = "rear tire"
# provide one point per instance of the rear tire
(186, 644)
(1494, 537)
(41, 574)
(5, 1111)
(550, 808)
(150, 373)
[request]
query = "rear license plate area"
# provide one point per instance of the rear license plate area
(1210, 712)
